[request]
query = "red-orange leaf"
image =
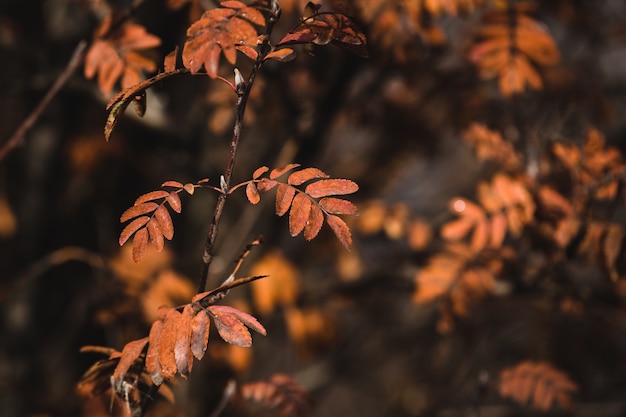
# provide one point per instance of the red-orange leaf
(252, 193)
(284, 197)
(174, 184)
(131, 228)
(338, 206)
(304, 175)
(152, 356)
(174, 200)
(138, 210)
(299, 214)
(277, 172)
(155, 234)
(165, 222)
(200, 327)
(152, 195)
(182, 351)
(245, 318)
(341, 230)
(324, 188)
(314, 223)
(130, 353)
(265, 184)
(259, 171)
(232, 330)
(140, 242)
(167, 343)
(282, 55)
(189, 188)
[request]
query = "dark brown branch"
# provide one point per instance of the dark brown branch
(243, 92)
(77, 59)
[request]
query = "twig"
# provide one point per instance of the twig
(243, 92)
(72, 66)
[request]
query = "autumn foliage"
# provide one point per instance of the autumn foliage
(426, 197)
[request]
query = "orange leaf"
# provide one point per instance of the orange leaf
(155, 234)
(324, 188)
(277, 172)
(284, 197)
(165, 222)
(299, 214)
(138, 210)
(252, 193)
(341, 230)
(457, 229)
(167, 343)
(245, 318)
(480, 236)
(613, 245)
(132, 228)
(338, 206)
(265, 184)
(259, 171)
(174, 184)
(314, 223)
(153, 195)
(497, 230)
(152, 356)
(130, 353)
(189, 188)
(174, 200)
(304, 175)
(182, 351)
(200, 326)
(282, 55)
(231, 329)
(169, 63)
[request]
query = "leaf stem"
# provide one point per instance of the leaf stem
(243, 93)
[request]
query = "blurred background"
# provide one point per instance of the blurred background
(352, 328)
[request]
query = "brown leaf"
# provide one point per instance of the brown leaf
(140, 242)
(265, 184)
(259, 171)
(246, 318)
(299, 214)
(189, 188)
(284, 196)
(156, 235)
(324, 188)
(152, 356)
(131, 228)
(314, 223)
(497, 230)
(252, 193)
(200, 327)
(480, 237)
(167, 343)
(153, 195)
(338, 206)
(174, 184)
(341, 230)
(612, 247)
(304, 175)
(277, 172)
(182, 351)
(165, 222)
(231, 329)
(130, 353)
(457, 229)
(174, 200)
(169, 63)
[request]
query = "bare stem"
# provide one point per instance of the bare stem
(243, 93)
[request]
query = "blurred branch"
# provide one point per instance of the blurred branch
(76, 60)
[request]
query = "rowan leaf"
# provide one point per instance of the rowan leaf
(131, 228)
(304, 175)
(324, 188)
(189, 188)
(314, 223)
(252, 193)
(200, 327)
(138, 210)
(259, 171)
(167, 343)
(341, 230)
(338, 206)
(165, 222)
(457, 229)
(245, 318)
(130, 353)
(277, 172)
(152, 195)
(284, 196)
(231, 329)
(156, 235)
(282, 55)
(299, 214)
(218, 31)
(174, 201)
(169, 62)
(182, 351)
(497, 231)
(152, 356)
(265, 184)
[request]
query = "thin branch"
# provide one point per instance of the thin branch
(242, 99)
(77, 59)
